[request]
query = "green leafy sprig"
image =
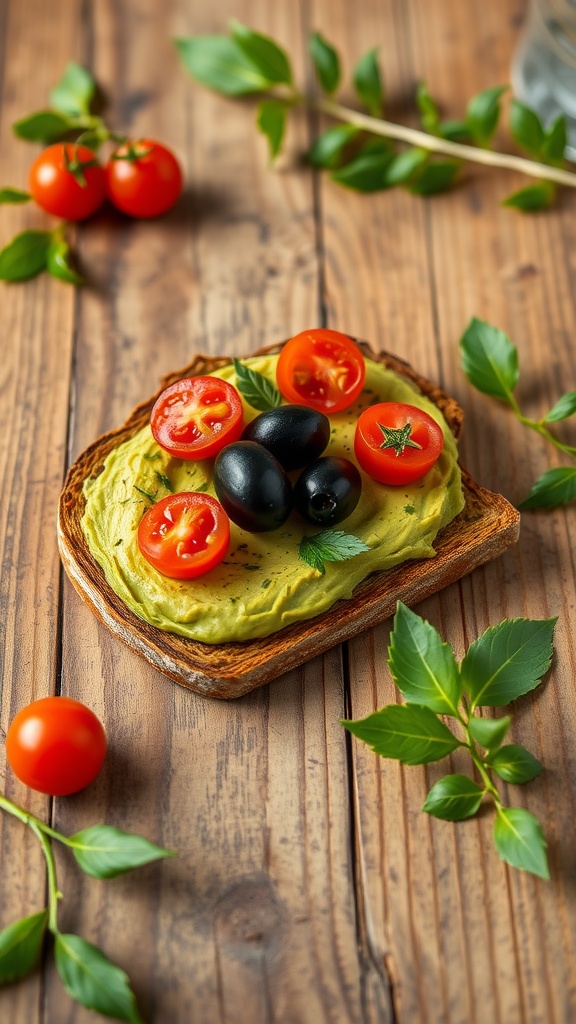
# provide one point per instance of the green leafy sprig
(329, 546)
(507, 661)
(360, 152)
(255, 388)
(490, 361)
(88, 976)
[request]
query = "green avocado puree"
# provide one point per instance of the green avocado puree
(262, 584)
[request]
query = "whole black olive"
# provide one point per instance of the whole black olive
(295, 434)
(252, 486)
(328, 491)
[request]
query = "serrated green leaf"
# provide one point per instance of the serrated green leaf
(58, 263)
(519, 840)
(429, 113)
(404, 166)
(483, 113)
(220, 64)
(329, 546)
(514, 763)
(368, 83)
(326, 62)
(565, 407)
(454, 798)
(256, 389)
(437, 176)
(526, 127)
(25, 256)
(489, 359)
(105, 852)
(489, 732)
(74, 92)
(422, 665)
(406, 732)
(271, 120)
(555, 142)
(20, 946)
(366, 172)
(507, 661)
(14, 195)
(328, 150)
(532, 198)
(43, 126)
(554, 488)
(93, 980)
(267, 57)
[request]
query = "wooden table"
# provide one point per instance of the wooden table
(308, 885)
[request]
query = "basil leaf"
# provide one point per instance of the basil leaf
(25, 256)
(14, 195)
(555, 487)
(454, 798)
(326, 62)
(507, 661)
(403, 166)
(526, 127)
(266, 56)
(514, 763)
(555, 142)
(368, 83)
(93, 980)
(271, 121)
(565, 407)
(422, 666)
(436, 177)
(366, 173)
(519, 840)
(219, 63)
(407, 732)
(20, 946)
(454, 131)
(328, 149)
(483, 114)
(43, 126)
(58, 263)
(329, 546)
(532, 198)
(489, 359)
(256, 389)
(74, 92)
(429, 113)
(104, 852)
(488, 732)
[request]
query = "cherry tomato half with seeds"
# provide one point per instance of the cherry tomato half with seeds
(143, 178)
(56, 745)
(195, 417)
(67, 181)
(396, 443)
(184, 535)
(321, 368)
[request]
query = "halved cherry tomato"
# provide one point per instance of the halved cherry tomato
(195, 417)
(321, 368)
(184, 535)
(397, 443)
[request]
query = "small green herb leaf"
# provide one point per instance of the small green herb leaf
(422, 666)
(14, 195)
(437, 176)
(454, 131)
(368, 83)
(219, 63)
(405, 166)
(366, 172)
(554, 145)
(565, 407)
(165, 481)
(507, 661)
(526, 127)
(555, 487)
(93, 980)
(326, 62)
(105, 852)
(483, 114)
(74, 92)
(268, 58)
(429, 113)
(329, 148)
(25, 256)
(407, 732)
(514, 763)
(43, 126)
(271, 121)
(519, 840)
(145, 494)
(489, 359)
(532, 198)
(454, 798)
(329, 546)
(20, 946)
(488, 732)
(256, 389)
(58, 263)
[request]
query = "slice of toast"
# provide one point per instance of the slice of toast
(487, 525)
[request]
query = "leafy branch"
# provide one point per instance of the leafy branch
(507, 661)
(87, 974)
(490, 361)
(359, 152)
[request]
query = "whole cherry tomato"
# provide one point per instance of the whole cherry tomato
(67, 181)
(195, 417)
(321, 368)
(143, 178)
(56, 745)
(397, 443)
(184, 535)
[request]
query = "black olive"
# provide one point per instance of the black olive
(328, 491)
(252, 486)
(295, 434)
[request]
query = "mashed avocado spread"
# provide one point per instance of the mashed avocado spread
(262, 584)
